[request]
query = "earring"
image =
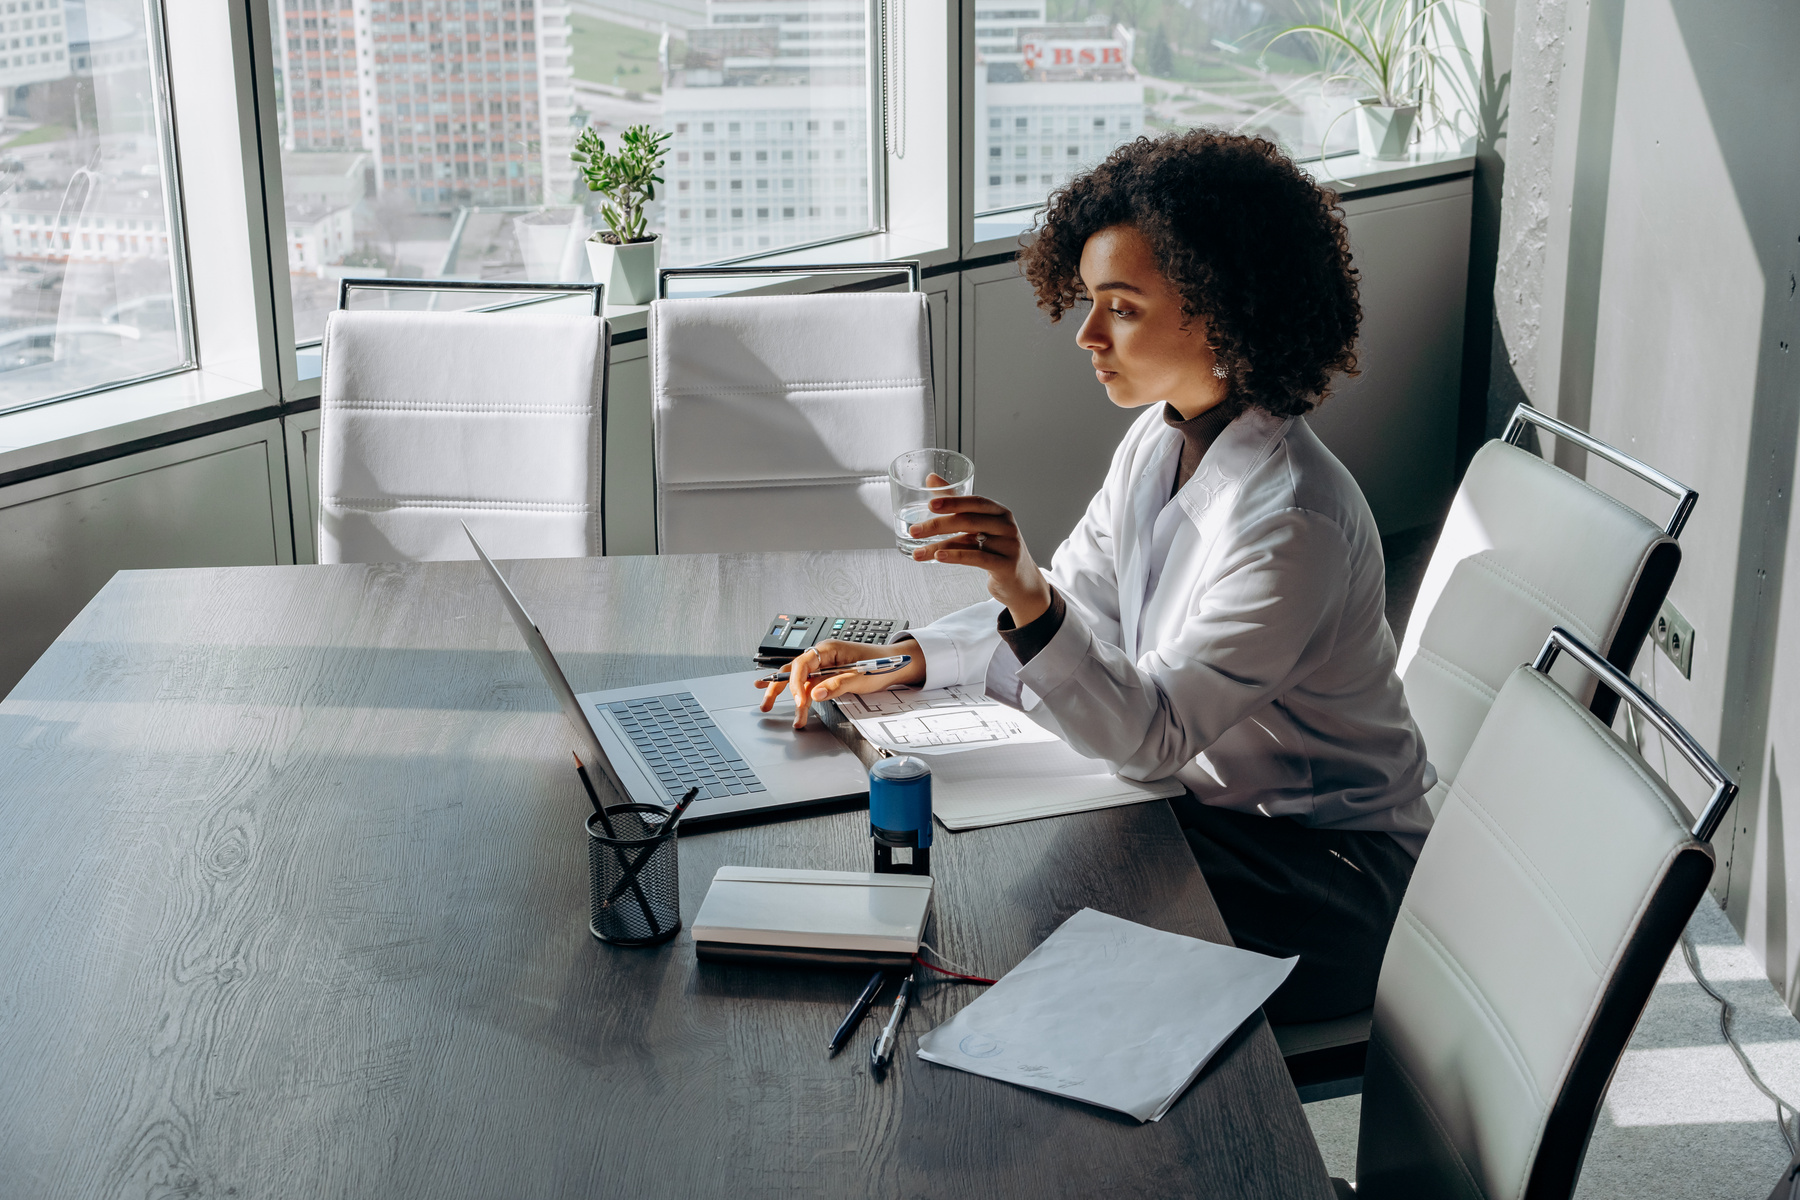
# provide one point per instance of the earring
(1220, 371)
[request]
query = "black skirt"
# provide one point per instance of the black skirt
(1327, 895)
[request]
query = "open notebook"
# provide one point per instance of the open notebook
(991, 765)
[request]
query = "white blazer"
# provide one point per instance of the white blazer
(1233, 637)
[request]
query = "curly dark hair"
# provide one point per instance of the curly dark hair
(1256, 249)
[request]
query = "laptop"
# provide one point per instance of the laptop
(656, 741)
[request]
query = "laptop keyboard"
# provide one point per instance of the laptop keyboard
(683, 746)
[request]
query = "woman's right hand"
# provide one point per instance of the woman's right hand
(826, 655)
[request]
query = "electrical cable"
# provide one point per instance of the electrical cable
(964, 975)
(1782, 1107)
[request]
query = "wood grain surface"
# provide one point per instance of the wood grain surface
(295, 905)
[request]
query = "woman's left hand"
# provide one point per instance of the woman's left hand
(987, 537)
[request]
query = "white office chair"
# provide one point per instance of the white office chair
(427, 419)
(1544, 906)
(776, 416)
(1526, 547)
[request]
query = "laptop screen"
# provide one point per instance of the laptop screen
(591, 751)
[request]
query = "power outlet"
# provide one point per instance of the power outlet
(1674, 635)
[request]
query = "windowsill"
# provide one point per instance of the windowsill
(51, 433)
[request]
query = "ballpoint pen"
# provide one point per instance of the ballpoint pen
(868, 666)
(882, 1052)
(855, 1015)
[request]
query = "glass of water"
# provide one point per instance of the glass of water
(912, 489)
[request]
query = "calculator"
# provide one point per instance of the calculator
(789, 634)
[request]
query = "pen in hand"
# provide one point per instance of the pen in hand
(882, 1052)
(855, 1015)
(868, 666)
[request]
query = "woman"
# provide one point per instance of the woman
(1218, 613)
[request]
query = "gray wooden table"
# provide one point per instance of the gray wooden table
(294, 904)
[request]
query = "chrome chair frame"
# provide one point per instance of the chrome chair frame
(909, 268)
(1685, 497)
(384, 284)
(1724, 791)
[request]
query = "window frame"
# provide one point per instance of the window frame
(162, 104)
(214, 111)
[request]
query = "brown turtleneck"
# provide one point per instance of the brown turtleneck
(1197, 436)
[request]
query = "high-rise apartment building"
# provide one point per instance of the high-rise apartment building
(33, 42)
(1050, 100)
(462, 102)
(770, 117)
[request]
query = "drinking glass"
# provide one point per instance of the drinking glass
(912, 495)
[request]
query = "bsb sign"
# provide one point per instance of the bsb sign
(1070, 52)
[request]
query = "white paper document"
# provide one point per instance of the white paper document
(1109, 1012)
(1019, 770)
(941, 721)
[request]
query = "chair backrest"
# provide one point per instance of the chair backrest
(1528, 546)
(427, 419)
(777, 416)
(1554, 885)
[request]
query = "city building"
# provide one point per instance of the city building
(769, 114)
(998, 24)
(104, 43)
(118, 226)
(319, 234)
(461, 101)
(33, 42)
(1056, 100)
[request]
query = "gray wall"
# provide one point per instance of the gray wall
(1647, 291)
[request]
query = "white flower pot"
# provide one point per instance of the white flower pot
(1383, 132)
(628, 271)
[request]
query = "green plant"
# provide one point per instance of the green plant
(1388, 50)
(627, 178)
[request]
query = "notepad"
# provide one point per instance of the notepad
(1109, 1012)
(1003, 784)
(812, 918)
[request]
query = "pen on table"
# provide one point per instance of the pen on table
(882, 1052)
(855, 1014)
(868, 666)
(669, 823)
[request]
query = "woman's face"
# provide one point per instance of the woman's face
(1144, 348)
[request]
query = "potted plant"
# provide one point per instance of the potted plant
(1381, 48)
(622, 255)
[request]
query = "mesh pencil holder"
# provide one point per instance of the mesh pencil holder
(634, 876)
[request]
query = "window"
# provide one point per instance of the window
(730, 88)
(379, 174)
(1194, 65)
(111, 306)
